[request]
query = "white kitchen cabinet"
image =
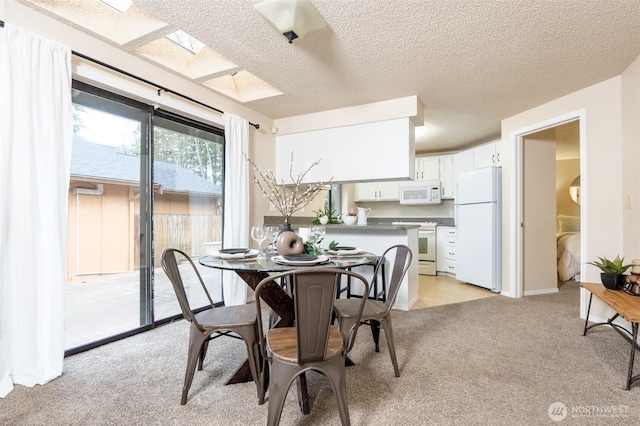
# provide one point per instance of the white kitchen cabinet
(463, 162)
(365, 191)
(388, 191)
(446, 240)
(339, 146)
(487, 155)
(498, 146)
(377, 191)
(428, 168)
(447, 180)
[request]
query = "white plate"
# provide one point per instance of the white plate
(236, 256)
(355, 252)
(282, 261)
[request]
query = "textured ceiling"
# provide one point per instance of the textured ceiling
(472, 63)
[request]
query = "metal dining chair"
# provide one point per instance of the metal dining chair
(375, 292)
(211, 322)
(313, 343)
(377, 313)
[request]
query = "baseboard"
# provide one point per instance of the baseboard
(542, 291)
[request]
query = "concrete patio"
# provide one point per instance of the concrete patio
(99, 308)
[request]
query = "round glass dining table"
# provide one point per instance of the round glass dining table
(265, 264)
(253, 271)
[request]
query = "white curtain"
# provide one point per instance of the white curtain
(236, 202)
(36, 126)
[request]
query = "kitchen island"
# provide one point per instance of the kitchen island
(376, 238)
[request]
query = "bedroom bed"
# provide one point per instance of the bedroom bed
(568, 248)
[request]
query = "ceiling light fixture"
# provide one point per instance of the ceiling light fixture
(119, 5)
(293, 18)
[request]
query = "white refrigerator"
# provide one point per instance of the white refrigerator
(479, 228)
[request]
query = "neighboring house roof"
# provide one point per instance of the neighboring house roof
(94, 161)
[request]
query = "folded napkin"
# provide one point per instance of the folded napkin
(300, 262)
(235, 254)
(234, 250)
(301, 256)
(344, 251)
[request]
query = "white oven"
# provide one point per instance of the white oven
(426, 246)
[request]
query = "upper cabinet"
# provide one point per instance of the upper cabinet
(427, 168)
(446, 168)
(349, 142)
(377, 191)
(462, 162)
(447, 181)
(439, 167)
(487, 155)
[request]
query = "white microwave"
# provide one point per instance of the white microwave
(420, 192)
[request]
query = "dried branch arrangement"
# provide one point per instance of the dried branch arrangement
(287, 198)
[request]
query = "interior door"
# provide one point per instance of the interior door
(539, 212)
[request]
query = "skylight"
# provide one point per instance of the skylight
(186, 41)
(119, 5)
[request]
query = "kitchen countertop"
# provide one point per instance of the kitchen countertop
(373, 223)
(374, 226)
(375, 238)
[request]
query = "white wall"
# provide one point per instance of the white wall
(602, 172)
(630, 157)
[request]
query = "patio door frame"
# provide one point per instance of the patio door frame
(145, 231)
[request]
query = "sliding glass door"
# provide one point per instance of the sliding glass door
(187, 212)
(122, 198)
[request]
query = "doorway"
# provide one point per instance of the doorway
(536, 153)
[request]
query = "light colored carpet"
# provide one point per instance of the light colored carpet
(493, 361)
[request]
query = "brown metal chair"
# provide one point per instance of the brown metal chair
(210, 323)
(377, 313)
(313, 343)
(378, 266)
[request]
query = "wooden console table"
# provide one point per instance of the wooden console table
(626, 306)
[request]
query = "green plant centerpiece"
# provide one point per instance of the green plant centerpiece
(325, 215)
(612, 271)
(316, 249)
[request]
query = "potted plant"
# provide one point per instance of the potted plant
(326, 215)
(612, 274)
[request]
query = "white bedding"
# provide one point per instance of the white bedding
(568, 256)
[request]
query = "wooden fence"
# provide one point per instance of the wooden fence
(188, 233)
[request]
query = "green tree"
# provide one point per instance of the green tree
(78, 124)
(201, 156)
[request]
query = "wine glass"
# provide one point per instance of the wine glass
(272, 233)
(259, 234)
(315, 237)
